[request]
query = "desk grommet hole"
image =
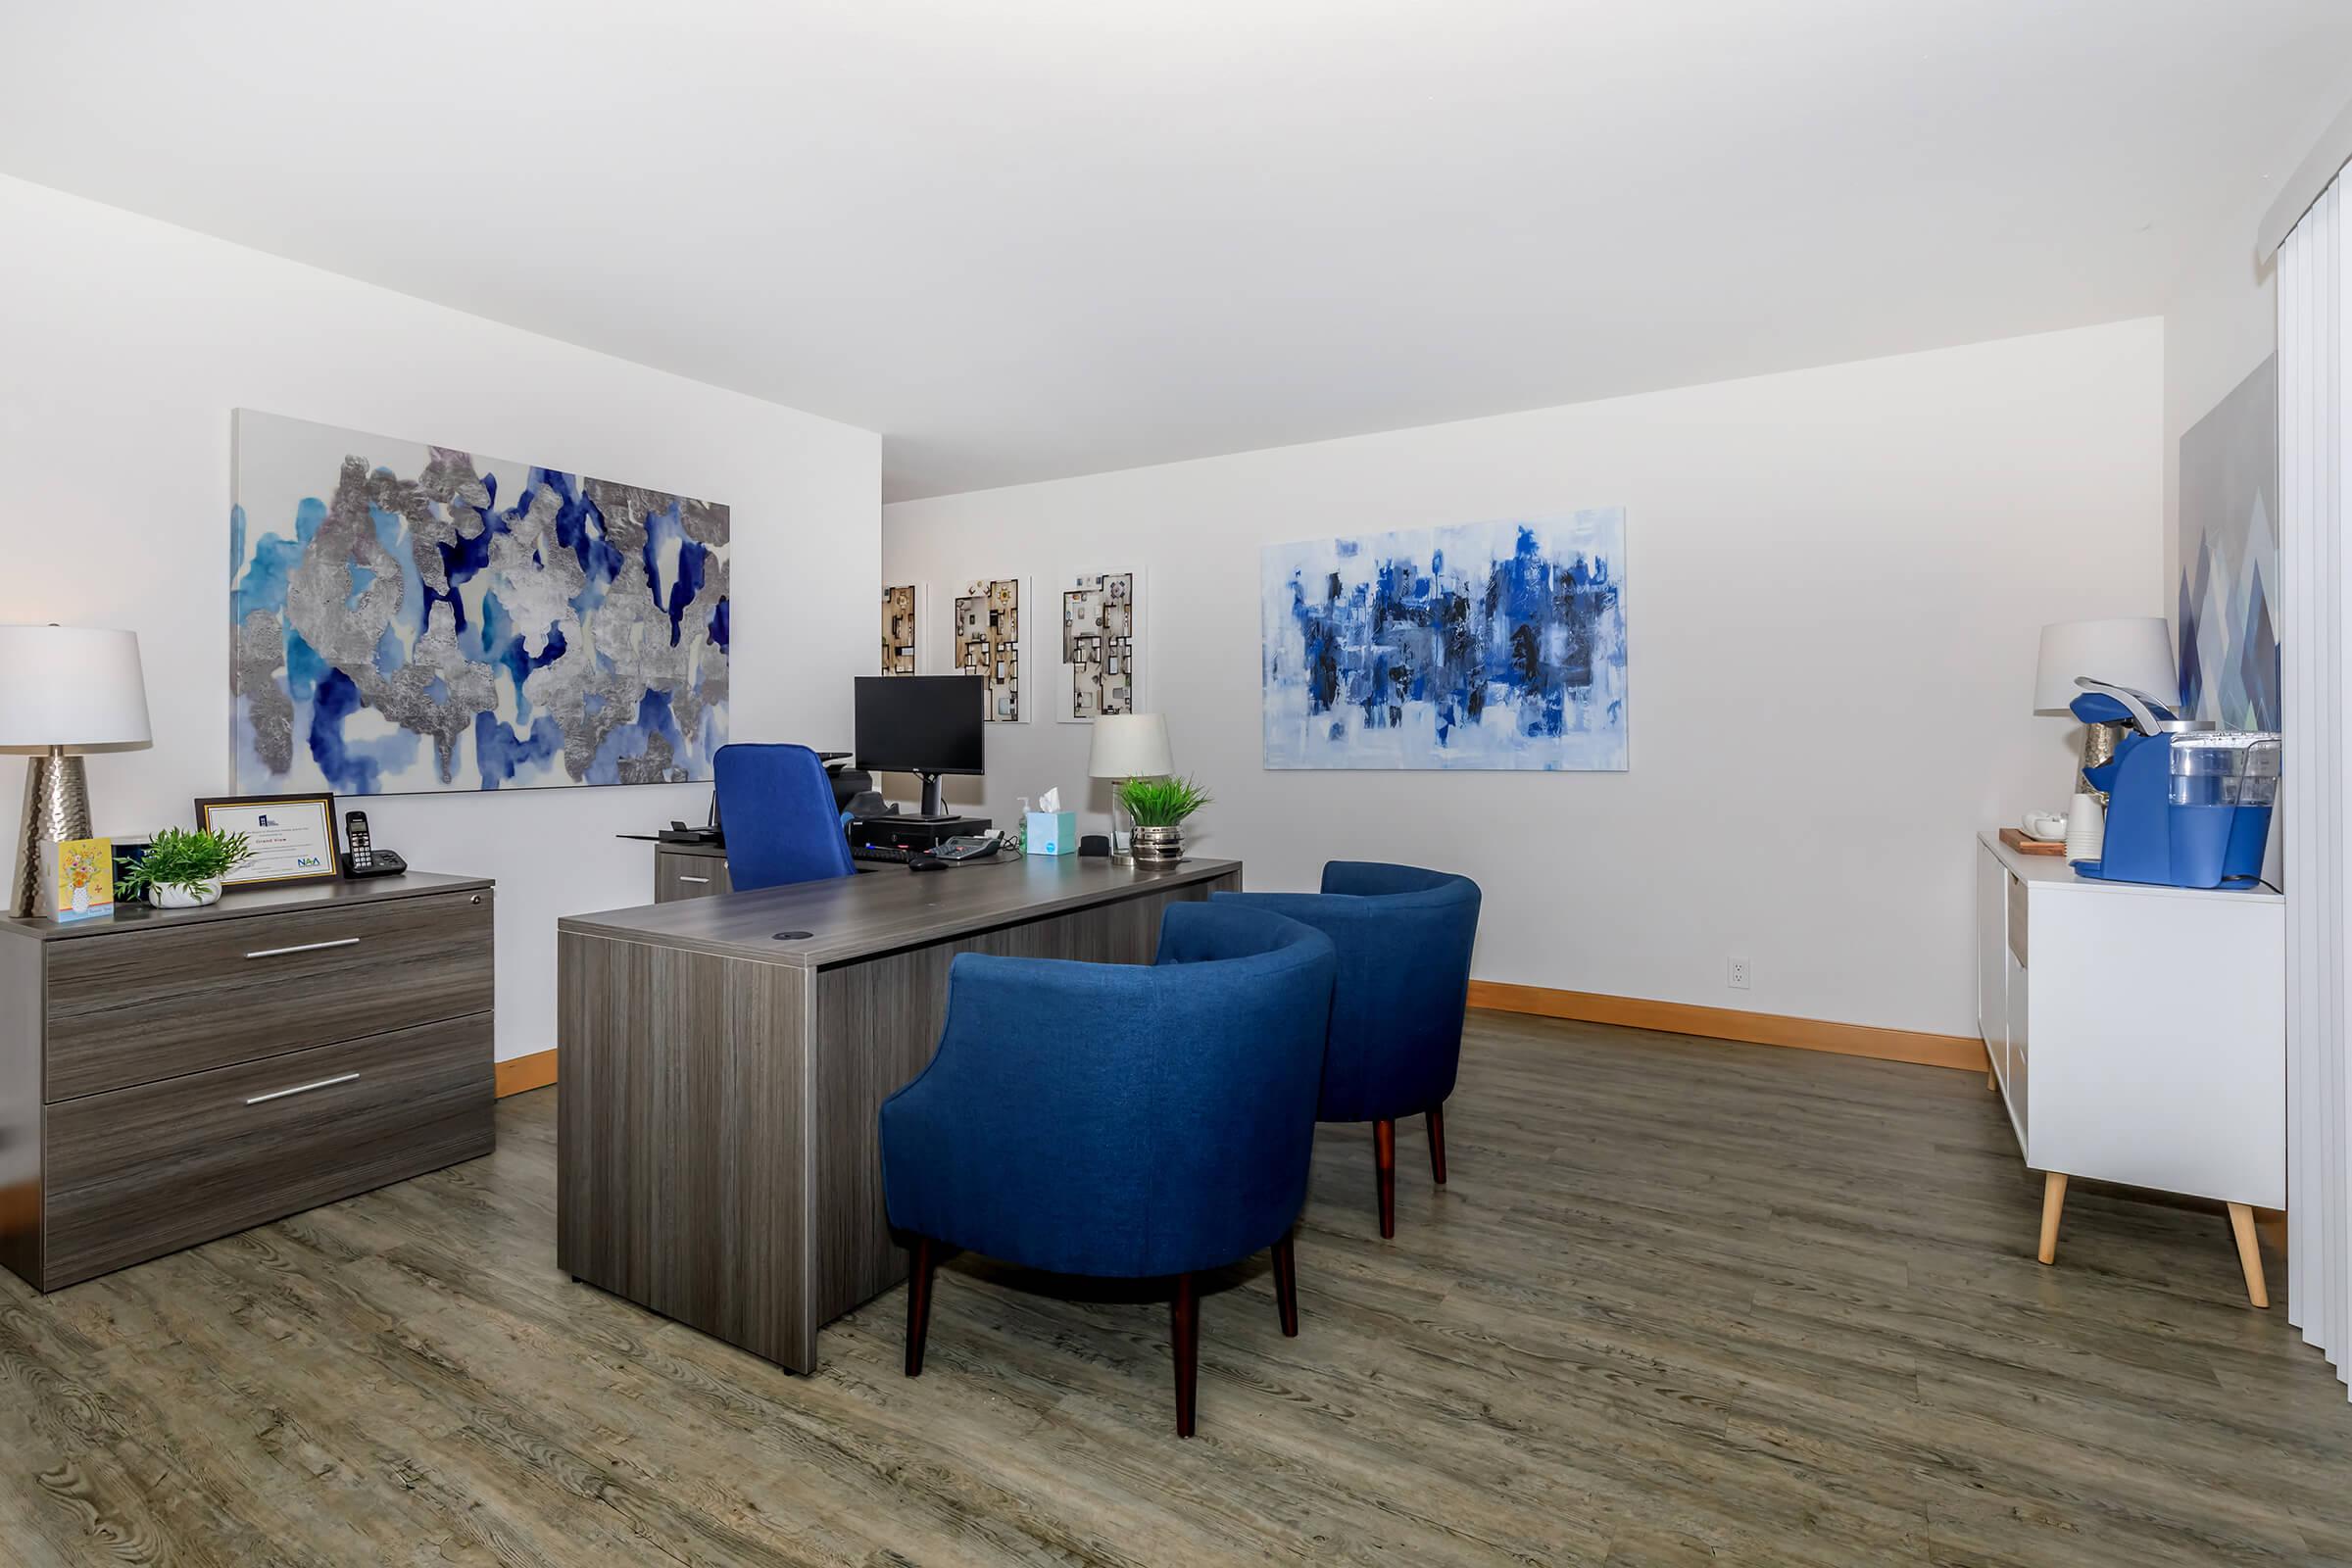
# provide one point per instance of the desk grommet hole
(793, 936)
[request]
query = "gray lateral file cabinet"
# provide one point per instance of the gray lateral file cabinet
(171, 1076)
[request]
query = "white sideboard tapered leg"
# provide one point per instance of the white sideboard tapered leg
(2250, 1254)
(2053, 1199)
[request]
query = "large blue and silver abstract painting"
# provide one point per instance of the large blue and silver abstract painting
(1484, 645)
(409, 619)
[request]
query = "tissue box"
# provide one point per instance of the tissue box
(1052, 833)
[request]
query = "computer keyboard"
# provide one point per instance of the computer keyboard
(953, 852)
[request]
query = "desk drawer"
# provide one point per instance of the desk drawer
(133, 1007)
(140, 1172)
(688, 876)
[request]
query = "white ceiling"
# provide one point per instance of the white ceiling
(1028, 238)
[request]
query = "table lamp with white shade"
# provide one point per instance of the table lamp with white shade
(1129, 745)
(64, 690)
(2134, 651)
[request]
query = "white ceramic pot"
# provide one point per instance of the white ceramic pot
(169, 897)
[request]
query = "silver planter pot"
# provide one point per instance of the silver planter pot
(1158, 846)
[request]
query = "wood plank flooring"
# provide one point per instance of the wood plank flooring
(1681, 1303)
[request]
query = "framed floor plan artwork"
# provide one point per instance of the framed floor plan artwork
(899, 630)
(1101, 630)
(414, 618)
(1488, 645)
(988, 643)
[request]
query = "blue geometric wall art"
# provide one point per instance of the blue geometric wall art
(2229, 557)
(409, 619)
(1486, 644)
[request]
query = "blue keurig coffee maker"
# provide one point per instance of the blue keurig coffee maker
(2188, 805)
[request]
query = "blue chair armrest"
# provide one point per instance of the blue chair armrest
(1349, 922)
(1374, 879)
(1193, 941)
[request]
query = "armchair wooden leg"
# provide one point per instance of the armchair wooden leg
(1187, 1323)
(1384, 1170)
(1436, 1143)
(919, 1302)
(1285, 1284)
(2249, 1253)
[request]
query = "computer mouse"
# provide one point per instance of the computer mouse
(927, 862)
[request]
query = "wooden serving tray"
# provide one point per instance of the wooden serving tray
(2014, 838)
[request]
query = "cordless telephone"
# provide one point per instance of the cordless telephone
(363, 858)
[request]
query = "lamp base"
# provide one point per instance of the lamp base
(1123, 845)
(57, 807)
(2099, 745)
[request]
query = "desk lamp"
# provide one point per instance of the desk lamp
(2135, 651)
(64, 690)
(1128, 746)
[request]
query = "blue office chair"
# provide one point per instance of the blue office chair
(781, 823)
(1126, 1122)
(1404, 937)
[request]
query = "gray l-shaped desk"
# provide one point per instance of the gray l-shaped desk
(723, 1059)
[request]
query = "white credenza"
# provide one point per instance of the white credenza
(2138, 1035)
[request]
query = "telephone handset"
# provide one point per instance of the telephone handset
(363, 858)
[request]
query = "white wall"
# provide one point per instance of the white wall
(123, 345)
(2220, 318)
(1835, 582)
(2223, 321)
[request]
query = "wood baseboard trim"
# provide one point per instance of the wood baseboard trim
(518, 1074)
(1728, 1024)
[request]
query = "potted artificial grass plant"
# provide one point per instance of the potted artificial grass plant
(183, 867)
(1158, 806)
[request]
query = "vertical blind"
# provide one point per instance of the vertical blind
(2313, 359)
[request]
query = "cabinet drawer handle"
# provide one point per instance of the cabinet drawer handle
(702, 879)
(306, 946)
(303, 1089)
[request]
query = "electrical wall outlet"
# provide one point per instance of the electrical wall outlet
(1735, 973)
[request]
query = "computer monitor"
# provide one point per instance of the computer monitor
(926, 725)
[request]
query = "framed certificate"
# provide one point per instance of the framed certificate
(292, 837)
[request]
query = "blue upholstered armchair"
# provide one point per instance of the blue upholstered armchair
(1404, 937)
(777, 808)
(1123, 1120)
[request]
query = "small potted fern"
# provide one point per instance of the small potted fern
(1158, 806)
(183, 867)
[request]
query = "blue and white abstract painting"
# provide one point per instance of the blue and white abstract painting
(409, 619)
(1484, 645)
(2230, 659)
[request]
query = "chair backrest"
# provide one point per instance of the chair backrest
(1119, 1119)
(1241, 996)
(1405, 981)
(777, 809)
(1404, 937)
